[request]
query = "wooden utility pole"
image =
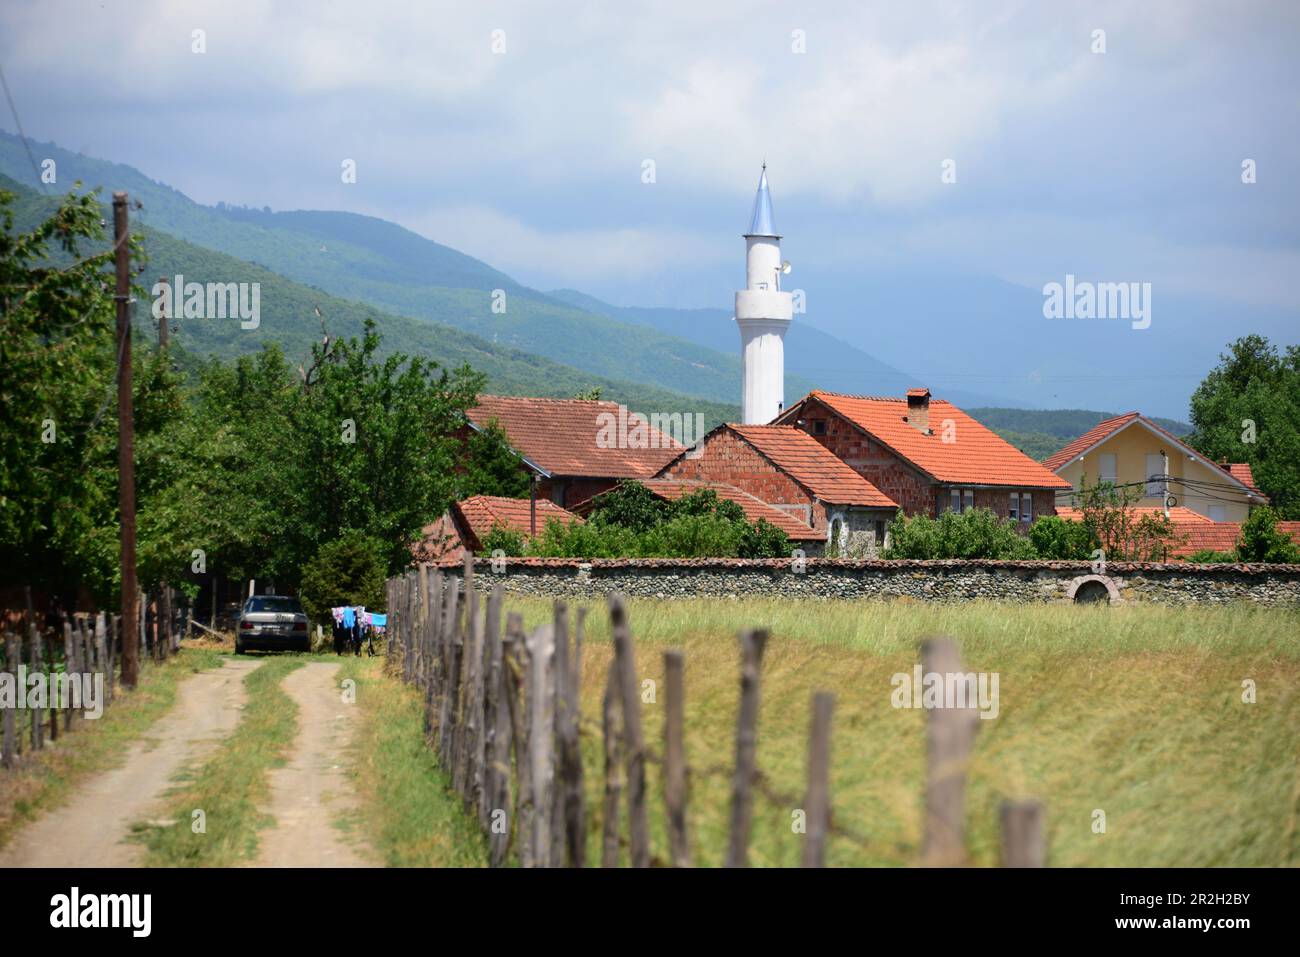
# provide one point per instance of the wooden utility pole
(126, 443)
(163, 323)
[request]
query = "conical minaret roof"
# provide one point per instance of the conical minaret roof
(762, 222)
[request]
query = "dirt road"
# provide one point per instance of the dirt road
(311, 792)
(90, 830)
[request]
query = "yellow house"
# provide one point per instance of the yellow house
(1131, 450)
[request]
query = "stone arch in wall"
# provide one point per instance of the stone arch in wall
(1090, 589)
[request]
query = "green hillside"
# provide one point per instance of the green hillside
(288, 316)
(373, 261)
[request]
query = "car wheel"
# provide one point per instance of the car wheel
(239, 647)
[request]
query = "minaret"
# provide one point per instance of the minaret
(763, 313)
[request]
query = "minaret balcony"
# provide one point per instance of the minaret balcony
(764, 304)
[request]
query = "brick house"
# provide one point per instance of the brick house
(786, 468)
(575, 448)
(927, 455)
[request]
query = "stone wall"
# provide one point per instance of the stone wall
(947, 581)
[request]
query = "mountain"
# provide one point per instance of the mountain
(288, 316)
(1040, 433)
(811, 355)
(370, 260)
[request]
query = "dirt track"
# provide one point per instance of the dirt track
(311, 791)
(90, 830)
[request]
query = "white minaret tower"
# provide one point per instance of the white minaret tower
(763, 313)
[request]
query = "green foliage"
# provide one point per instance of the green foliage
(1121, 533)
(350, 570)
(1262, 542)
(507, 540)
(974, 533)
(630, 521)
(492, 467)
(588, 395)
(1208, 556)
(1248, 410)
(1055, 539)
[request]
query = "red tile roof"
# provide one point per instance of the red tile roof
(1090, 438)
(812, 465)
(1241, 472)
(755, 508)
(1193, 532)
(561, 436)
(468, 522)
(978, 456)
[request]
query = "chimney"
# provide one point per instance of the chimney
(918, 409)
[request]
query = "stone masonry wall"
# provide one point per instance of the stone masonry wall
(945, 581)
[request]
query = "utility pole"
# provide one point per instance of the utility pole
(163, 323)
(126, 445)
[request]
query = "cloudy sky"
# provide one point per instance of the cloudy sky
(526, 147)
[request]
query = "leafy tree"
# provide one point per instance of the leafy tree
(630, 505)
(1248, 410)
(1055, 539)
(762, 539)
(1123, 534)
(492, 467)
(974, 533)
(1262, 542)
(1208, 556)
(350, 570)
(589, 395)
(507, 540)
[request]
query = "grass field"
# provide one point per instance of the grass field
(1135, 711)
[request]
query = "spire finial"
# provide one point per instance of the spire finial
(761, 222)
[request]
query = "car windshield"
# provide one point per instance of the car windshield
(273, 603)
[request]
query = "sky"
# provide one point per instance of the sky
(521, 133)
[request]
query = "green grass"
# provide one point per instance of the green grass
(1136, 711)
(231, 785)
(408, 811)
(47, 779)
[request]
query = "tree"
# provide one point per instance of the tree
(1248, 410)
(350, 570)
(506, 540)
(491, 466)
(1055, 539)
(1110, 514)
(1262, 542)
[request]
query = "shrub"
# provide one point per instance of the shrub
(1262, 542)
(1056, 539)
(1208, 556)
(507, 540)
(974, 533)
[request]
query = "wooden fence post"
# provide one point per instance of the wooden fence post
(675, 757)
(451, 686)
(817, 800)
(38, 665)
(569, 838)
(69, 666)
(1024, 840)
(9, 748)
(491, 692)
(517, 681)
(950, 736)
(474, 729)
(625, 658)
(541, 735)
(612, 733)
(742, 787)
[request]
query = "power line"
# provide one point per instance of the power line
(19, 123)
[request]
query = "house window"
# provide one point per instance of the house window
(962, 499)
(1013, 512)
(880, 532)
(1027, 507)
(819, 427)
(1109, 468)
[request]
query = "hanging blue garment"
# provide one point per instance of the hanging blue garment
(378, 620)
(349, 617)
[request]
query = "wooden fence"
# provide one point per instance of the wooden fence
(86, 643)
(501, 711)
